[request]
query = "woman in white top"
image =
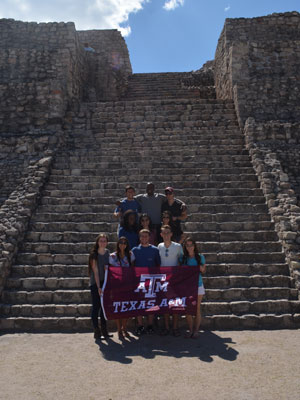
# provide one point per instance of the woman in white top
(123, 257)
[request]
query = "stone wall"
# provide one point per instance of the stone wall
(257, 64)
(109, 65)
(45, 74)
(16, 212)
(280, 196)
(41, 74)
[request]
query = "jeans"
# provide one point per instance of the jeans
(96, 306)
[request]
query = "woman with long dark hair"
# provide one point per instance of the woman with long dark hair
(146, 223)
(129, 228)
(122, 257)
(192, 257)
(98, 260)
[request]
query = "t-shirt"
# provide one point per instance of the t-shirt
(151, 205)
(192, 262)
(132, 236)
(146, 256)
(176, 211)
(115, 262)
(102, 260)
(169, 256)
(126, 204)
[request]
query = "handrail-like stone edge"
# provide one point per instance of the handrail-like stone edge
(16, 212)
(280, 197)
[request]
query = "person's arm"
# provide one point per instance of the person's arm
(203, 265)
(183, 215)
(96, 275)
(117, 212)
(157, 259)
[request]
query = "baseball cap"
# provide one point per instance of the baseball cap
(169, 189)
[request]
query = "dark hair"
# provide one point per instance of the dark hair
(150, 222)
(127, 250)
(94, 251)
(129, 187)
(169, 215)
(186, 254)
(125, 221)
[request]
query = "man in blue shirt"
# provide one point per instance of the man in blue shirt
(146, 255)
(130, 203)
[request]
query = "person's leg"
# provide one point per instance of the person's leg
(175, 318)
(95, 310)
(198, 316)
(150, 320)
(124, 326)
(102, 318)
(189, 320)
(119, 325)
(165, 331)
(140, 328)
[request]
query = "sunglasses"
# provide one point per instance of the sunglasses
(167, 253)
(144, 220)
(189, 245)
(122, 242)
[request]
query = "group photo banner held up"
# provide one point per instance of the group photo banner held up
(133, 291)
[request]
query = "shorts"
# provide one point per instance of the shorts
(201, 290)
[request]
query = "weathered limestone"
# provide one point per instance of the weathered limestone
(201, 132)
(16, 212)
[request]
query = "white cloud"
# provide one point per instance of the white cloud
(88, 14)
(227, 8)
(172, 4)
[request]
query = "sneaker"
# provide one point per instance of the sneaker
(150, 330)
(140, 330)
(97, 333)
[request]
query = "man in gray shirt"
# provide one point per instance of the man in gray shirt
(151, 203)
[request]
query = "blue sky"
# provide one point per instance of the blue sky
(162, 35)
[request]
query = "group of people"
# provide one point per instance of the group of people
(149, 235)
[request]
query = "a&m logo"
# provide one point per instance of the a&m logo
(150, 284)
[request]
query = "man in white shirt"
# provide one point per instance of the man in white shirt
(169, 254)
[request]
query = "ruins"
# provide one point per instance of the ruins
(77, 125)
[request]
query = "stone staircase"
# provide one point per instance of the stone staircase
(192, 144)
(166, 85)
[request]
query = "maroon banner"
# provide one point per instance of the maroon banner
(133, 291)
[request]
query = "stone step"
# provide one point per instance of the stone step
(65, 271)
(118, 162)
(215, 322)
(163, 113)
(229, 104)
(102, 202)
(159, 148)
(96, 227)
(208, 309)
(78, 259)
(190, 154)
(136, 169)
(162, 134)
(206, 247)
(152, 121)
(77, 237)
(64, 296)
(87, 223)
(63, 215)
(180, 193)
(220, 282)
(132, 176)
(186, 185)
